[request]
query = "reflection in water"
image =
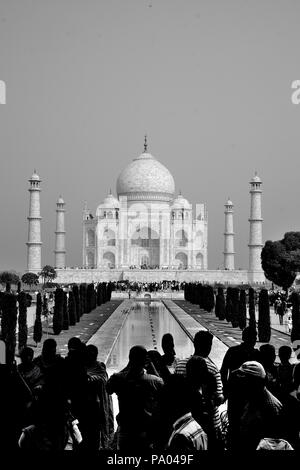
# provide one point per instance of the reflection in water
(146, 324)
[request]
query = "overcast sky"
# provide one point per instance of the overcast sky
(209, 81)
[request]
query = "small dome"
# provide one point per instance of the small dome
(181, 203)
(110, 202)
(146, 178)
(60, 200)
(35, 176)
(229, 203)
(255, 179)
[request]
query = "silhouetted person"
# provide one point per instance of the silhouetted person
(285, 371)
(168, 347)
(236, 355)
(267, 359)
(203, 343)
(49, 361)
(187, 434)
(138, 394)
(291, 411)
(258, 413)
(29, 370)
(100, 419)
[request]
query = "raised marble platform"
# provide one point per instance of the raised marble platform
(237, 276)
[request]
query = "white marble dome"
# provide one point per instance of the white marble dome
(145, 178)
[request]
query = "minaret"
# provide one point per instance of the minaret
(34, 244)
(60, 235)
(228, 236)
(255, 238)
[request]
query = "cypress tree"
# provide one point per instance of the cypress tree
(242, 310)
(77, 302)
(220, 304)
(89, 296)
(99, 295)
(37, 328)
(235, 307)
(58, 311)
(9, 324)
(210, 299)
(264, 325)
(22, 320)
(71, 308)
(228, 306)
(83, 302)
(65, 325)
(252, 317)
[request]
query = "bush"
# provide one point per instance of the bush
(264, 325)
(58, 311)
(22, 320)
(37, 328)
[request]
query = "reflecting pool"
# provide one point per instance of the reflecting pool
(146, 324)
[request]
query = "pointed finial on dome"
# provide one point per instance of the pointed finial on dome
(145, 144)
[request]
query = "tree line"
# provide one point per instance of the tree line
(69, 306)
(232, 307)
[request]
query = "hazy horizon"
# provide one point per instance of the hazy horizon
(208, 81)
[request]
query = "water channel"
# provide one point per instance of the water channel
(146, 324)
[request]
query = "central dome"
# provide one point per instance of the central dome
(145, 178)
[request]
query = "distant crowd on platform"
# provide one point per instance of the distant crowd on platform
(125, 286)
(53, 403)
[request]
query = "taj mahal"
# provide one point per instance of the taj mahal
(146, 232)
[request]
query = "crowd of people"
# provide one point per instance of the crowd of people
(165, 404)
(137, 286)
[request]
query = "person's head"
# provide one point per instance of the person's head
(153, 359)
(167, 344)
(138, 357)
(253, 376)
(74, 343)
(196, 372)
(91, 353)
(267, 355)
(285, 353)
(26, 355)
(49, 348)
(178, 396)
(249, 336)
(203, 342)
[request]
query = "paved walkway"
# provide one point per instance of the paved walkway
(89, 323)
(224, 331)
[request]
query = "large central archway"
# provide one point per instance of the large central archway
(144, 249)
